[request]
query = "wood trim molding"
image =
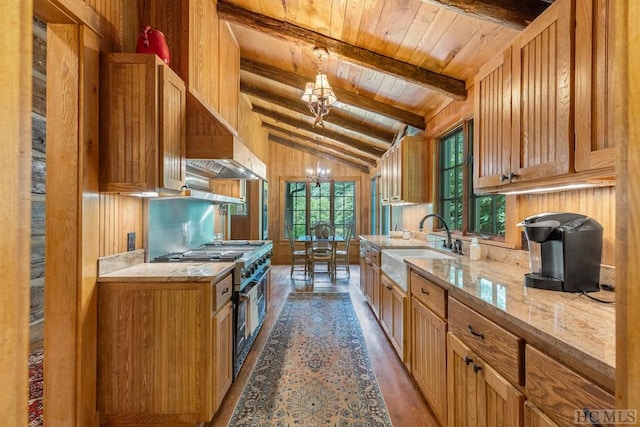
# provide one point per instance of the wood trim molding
(627, 132)
(15, 191)
(431, 80)
(67, 12)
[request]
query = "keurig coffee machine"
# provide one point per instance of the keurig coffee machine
(565, 251)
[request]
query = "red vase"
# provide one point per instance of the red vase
(151, 40)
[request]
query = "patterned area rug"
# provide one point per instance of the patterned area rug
(314, 370)
(36, 415)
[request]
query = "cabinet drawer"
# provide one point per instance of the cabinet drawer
(499, 347)
(431, 295)
(223, 291)
(374, 256)
(559, 391)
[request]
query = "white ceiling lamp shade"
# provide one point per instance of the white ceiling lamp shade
(319, 96)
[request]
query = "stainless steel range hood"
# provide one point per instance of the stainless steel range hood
(197, 187)
(213, 145)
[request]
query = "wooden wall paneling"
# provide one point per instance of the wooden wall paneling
(251, 131)
(627, 132)
(598, 203)
(15, 159)
(229, 75)
(63, 222)
(118, 216)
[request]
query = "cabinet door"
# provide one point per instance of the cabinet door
(172, 139)
(492, 123)
(384, 178)
(375, 289)
(363, 274)
(398, 302)
(542, 132)
(396, 172)
(222, 354)
(499, 403)
(429, 357)
(386, 306)
(595, 142)
(534, 417)
(461, 384)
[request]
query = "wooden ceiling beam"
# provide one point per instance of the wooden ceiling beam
(358, 126)
(334, 147)
(431, 80)
(509, 13)
(327, 133)
(317, 152)
(344, 96)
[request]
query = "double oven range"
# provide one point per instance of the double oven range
(252, 264)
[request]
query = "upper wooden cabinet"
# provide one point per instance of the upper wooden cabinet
(142, 125)
(404, 172)
(203, 50)
(540, 120)
(594, 85)
(492, 125)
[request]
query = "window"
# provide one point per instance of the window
(333, 202)
(459, 206)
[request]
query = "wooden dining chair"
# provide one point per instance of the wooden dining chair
(342, 255)
(298, 256)
(322, 249)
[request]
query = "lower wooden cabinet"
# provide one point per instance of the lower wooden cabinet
(477, 394)
(164, 351)
(429, 357)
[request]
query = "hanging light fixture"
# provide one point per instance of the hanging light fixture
(319, 96)
(318, 175)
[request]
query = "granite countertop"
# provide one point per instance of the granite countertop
(568, 326)
(170, 272)
(386, 242)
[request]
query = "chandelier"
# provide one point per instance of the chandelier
(319, 96)
(318, 175)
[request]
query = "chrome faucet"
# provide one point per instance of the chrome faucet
(448, 244)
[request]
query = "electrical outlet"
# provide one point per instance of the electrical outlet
(131, 241)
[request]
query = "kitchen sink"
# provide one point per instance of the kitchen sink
(393, 262)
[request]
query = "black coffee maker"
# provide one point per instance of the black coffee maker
(565, 250)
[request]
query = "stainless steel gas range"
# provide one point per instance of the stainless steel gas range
(250, 277)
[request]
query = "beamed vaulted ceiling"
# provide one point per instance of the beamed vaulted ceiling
(392, 63)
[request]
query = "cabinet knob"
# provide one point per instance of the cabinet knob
(424, 291)
(476, 368)
(467, 360)
(504, 178)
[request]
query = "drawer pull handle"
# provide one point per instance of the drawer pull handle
(467, 360)
(476, 368)
(225, 291)
(424, 291)
(474, 333)
(590, 417)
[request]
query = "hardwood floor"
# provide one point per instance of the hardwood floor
(406, 405)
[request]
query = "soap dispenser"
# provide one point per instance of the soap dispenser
(475, 251)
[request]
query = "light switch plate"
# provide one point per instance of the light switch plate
(131, 241)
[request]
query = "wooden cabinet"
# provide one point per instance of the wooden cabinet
(594, 78)
(477, 394)
(429, 357)
(542, 132)
(222, 325)
(405, 172)
(392, 313)
(534, 417)
(559, 391)
(371, 273)
(492, 122)
(142, 125)
(164, 351)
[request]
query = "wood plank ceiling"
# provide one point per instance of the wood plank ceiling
(391, 63)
